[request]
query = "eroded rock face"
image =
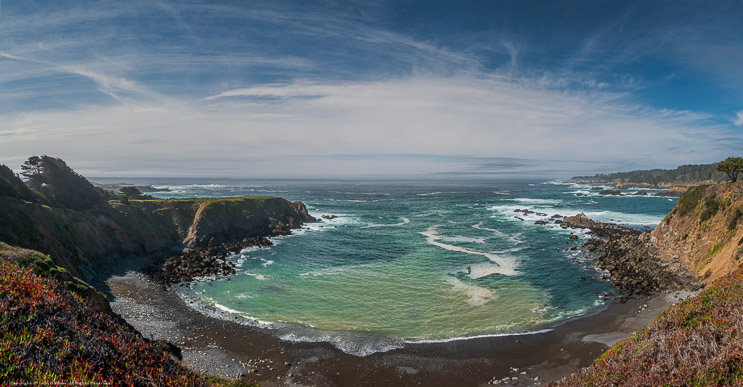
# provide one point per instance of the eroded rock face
(704, 231)
(80, 241)
(223, 221)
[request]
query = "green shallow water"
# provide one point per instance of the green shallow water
(423, 261)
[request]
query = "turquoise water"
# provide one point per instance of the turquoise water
(410, 262)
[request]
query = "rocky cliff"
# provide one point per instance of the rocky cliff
(704, 231)
(79, 240)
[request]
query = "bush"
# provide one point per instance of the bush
(50, 335)
(690, 199)
(60, 184)
(695, 342)
(737, 214)
(711, 206)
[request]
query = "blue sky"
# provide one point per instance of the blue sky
(370, 88)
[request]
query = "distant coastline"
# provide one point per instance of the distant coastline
(682, 177)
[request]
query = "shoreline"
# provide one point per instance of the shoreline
(238, 351)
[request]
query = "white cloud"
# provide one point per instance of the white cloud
(739, 121)
(306, 128)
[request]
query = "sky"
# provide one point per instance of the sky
(368, 89)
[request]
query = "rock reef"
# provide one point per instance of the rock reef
(630, 258)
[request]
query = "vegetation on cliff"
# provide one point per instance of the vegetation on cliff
(79, 225)
(48, 334)
(731, 166)
(697, 342)
(704, 231)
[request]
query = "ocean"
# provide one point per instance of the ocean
(396, 262)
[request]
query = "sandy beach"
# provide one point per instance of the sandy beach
(228, 348)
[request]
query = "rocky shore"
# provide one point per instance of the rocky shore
(198, 262)
(630, 259)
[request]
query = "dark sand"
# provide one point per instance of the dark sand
(227, 348)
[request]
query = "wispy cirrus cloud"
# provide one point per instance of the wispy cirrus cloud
(470, 126)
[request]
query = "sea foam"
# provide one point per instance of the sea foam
(505, 267)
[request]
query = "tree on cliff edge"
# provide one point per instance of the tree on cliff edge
(732, 166)
(59, 183)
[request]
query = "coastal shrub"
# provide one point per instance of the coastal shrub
(695, 342)
(737, 215)
(11, 185)
(51, 336)
(690, 199)
(711, 206)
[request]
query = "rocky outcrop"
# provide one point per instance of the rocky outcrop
(630, 259)
(675, 192)
(640, 193)
(610, 192)
(578, 221)
(80, 240)
(226, 220)
(202, 261)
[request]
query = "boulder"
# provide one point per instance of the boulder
(579, 221)
(610, 192)
(640, 193)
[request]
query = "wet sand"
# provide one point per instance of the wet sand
(219, 346)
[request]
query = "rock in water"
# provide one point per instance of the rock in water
(579, 221)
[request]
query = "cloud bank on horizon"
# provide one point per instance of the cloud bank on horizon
(370, 89)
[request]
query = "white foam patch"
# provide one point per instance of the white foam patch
(624, 218)
(507, 267)
(267, 262)
(403, 222)
(256, 276)
(536, 201)
(354, 343)
(601, 216)
(511, 237)
(481, 270)
(477, 295)
(463, 239)
(429, 194)
(433, 341)
(226, 309)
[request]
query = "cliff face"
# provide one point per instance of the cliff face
(704, 231)
(77, 239)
